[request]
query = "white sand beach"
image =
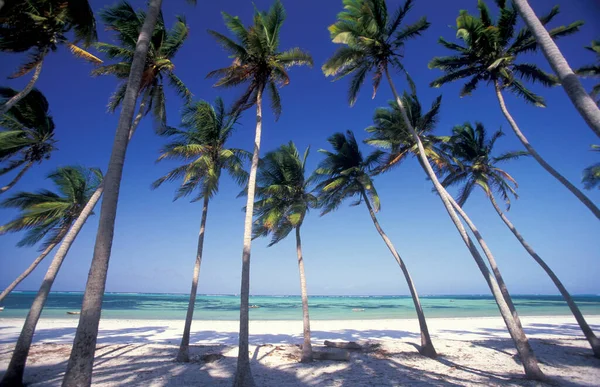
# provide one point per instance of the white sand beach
(473, 351)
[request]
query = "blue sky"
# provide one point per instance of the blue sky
(155, 238)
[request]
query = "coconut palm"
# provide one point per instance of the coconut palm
(81, 360)
(283, 199)
(490, 54)
(476, 166)
(591, 175)
(582, 101)
(164, 45)
(258, 65)
(345, 174)
(593, 70)
(372, 43)
(201, 147)
(41, 26)
(79, 191)
(27, 135)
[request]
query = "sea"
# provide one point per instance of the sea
(148, 306)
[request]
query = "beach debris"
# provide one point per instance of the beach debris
(73, 312)
(254, 306)
(211, 357)
(343, 344)
(337, 355)
(358, 310)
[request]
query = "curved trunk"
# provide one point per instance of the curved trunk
(14, 373)
(184, 353)
(582, 101)
(17, 178)
(81, 361)
(530, 363)
(574, 190)
(243, 373)
(427, 347)
(491, 260)
(35, 263)
(21, 94)
(307, 355)
(585, 328)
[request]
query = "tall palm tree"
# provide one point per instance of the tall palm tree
(345, 174)
(164, 45)
(372, 43)
(81, 189)
(41, 26)
(489, 54)
(258, 65)
(582, 101)
(283, 199)
(591, 175)
(593, 70)
(27, 135)
(81, 360)
(201, 146)
(476, 167)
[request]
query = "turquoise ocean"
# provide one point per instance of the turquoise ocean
(226, 307)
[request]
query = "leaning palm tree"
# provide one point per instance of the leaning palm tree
(201, 146)
(476, 167)
(80, 189)
(345, 174)
(283, 199)
(593, 70)
(81, 360)
(372, 43)
(258, 65)
(489, 54)
(591, 175)
(27, 135)
(582, 101)
(41, 26)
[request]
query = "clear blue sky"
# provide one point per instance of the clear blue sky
(155, 238)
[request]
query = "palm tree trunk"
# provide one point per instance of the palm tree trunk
(582, 101)
(17, 178)
(14, 373)
(491, 260)
(530, 363)
(243, 373)
(23, 93)
(35, 263)
(184, 354)
(81, 361)
(585, 328)
(584, 199)
(137, 119)
(307, 355)
(427, 347)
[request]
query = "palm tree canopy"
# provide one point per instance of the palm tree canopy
(27, 133)
(490, 52)
(44, 213)
(201, 146)
(591, 175)
(257, 62)
(389, 132)
(474, 164)
(40, 26)
(164, 45)
(592, 70)
(282, 192)
(345, 173)
(372, 40)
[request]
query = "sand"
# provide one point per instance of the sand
(473, 351)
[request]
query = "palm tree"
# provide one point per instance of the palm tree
(283, 199)
(81, 189)
(258, 65)
(344, 174)
(40, 26)
(476, 167)
(164, 45)
(201, 146)
(592, 70)
(372, 42)
(490, 54)
(582, 101)
(81, 360)
(28, 134)
(591, 175)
